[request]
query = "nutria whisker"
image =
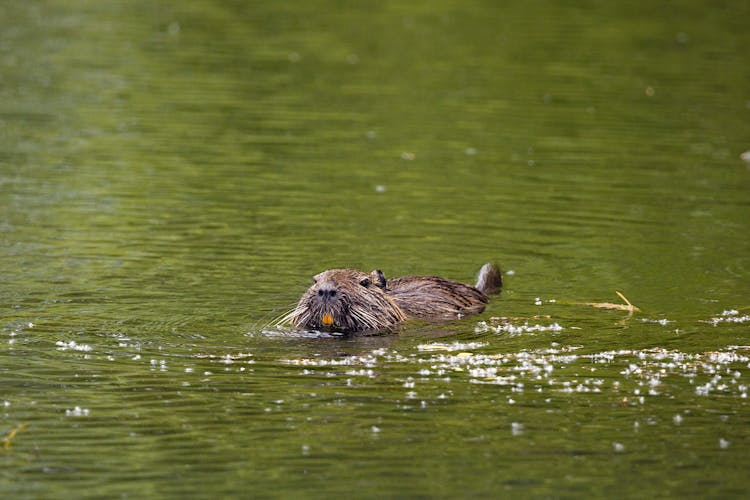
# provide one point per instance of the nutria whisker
(276, 318)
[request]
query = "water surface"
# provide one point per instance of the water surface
(172, 175)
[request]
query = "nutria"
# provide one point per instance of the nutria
(347, 300)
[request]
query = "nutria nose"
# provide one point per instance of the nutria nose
(326, 291)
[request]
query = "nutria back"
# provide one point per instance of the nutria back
(435, 298)
(349, 300)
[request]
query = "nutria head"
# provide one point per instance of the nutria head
(346, 300)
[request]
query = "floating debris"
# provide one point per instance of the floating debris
(455, 346)
(627, 306)
(367, 361)
(516, 429)
(643, 373)
(729, 316)
(227, 358)
(512, 329)
(64, 346)
(77, 412)
(8, 439)
(361, 373)
(161, 364)
(662, 322)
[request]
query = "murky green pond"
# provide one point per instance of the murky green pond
(173, 173)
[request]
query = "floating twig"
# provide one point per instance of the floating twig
(7, 440)
(627, 306)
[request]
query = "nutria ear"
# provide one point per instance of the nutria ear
(380, 281)
(365, 282)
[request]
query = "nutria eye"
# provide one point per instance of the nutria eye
(365, 282)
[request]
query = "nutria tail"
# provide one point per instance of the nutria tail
(489, 279)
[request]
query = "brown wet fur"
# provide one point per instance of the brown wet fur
(348, 300)
(434, 298)
(353, 300)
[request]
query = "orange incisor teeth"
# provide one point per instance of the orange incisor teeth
(327, 319)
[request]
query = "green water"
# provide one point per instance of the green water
(173, 173)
